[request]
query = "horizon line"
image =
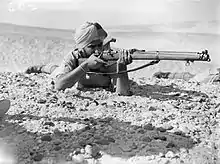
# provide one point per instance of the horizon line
(69, 29)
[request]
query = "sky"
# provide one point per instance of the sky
(68, 14)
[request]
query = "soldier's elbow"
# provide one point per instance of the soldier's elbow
(59, 85)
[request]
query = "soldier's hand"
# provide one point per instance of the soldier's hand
(94, 62)
(124, 57)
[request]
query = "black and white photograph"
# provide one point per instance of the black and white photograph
(109, 82)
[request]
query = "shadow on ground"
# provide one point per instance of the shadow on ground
(163, 93)
(119, 139)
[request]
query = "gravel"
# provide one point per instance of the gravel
(160, 123)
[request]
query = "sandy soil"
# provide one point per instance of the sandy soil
(165, 121)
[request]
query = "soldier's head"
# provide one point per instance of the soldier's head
(89, 37)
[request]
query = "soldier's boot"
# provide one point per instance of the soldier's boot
(34, 69)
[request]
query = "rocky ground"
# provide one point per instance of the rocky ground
(165, 121)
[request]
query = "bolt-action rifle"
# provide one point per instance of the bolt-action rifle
(159, 55)
(122, 82)
(111, 55)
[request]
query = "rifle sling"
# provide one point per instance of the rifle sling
(121, 72)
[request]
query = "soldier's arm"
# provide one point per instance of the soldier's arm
(68, 73)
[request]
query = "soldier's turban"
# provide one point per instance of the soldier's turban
(87, 33)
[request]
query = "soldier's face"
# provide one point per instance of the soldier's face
(94, 46)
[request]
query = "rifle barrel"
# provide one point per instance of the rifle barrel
(163, 55)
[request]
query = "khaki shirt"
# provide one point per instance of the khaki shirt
(69, 63)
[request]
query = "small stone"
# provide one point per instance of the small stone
(82, 151)
(102, 142)
(82, 142)
(78, 151)
(88, 150)
(25, 118)
(150, 158)
(141, 131)
(164, 161)
(57, 148)
(152, 108)
(196, 140)
(126, 148)
(174, 94)
(35, 148)
(115, 150)
(46, 138)
(168, 127)
(57, 142)
(31, 153)
(57, 132)
(170, 145)
(25, 156)
(179, 133)
(44, 131)
(183, 95)
(68, 159)
(78, 159)
(41, 101)
(21, 131)
(110, 139)
(38, 157)
(134, 127)
(71, 154)
(133, 146)
(184, 129)
(49, 123)
(183, 150)
(82, 109)
(161, 129)
(170, 154)
(106, 120)
(91, 150)
(146, 139)
(162, 138)
(148, 127)
(110, 103)
(161, 155)
(39, 141)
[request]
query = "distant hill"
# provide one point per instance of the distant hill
(38, 31)
(191, 27)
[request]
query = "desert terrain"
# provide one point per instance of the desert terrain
(164, 121)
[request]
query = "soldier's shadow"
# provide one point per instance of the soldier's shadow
(163, 93)
(112, 136)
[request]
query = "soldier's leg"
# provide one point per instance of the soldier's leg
(48, 68)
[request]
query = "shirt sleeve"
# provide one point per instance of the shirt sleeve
(68, 64)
